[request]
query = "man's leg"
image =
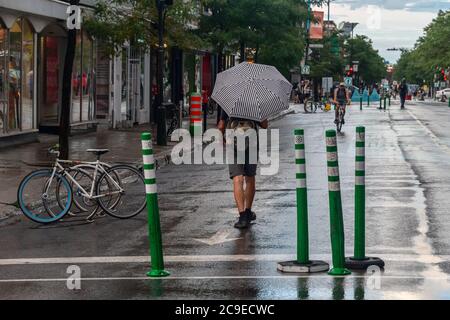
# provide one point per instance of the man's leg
(239, 193)
(250, 190)
(336, 114)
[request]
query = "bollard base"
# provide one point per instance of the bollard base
(363, 264)
(158, 274)
(339, 272)
(295, 267)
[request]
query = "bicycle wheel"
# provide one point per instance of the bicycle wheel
(130, 186)
(37, 196)
(309, 106)
(80, 202)
(112, 200)
(340, 121)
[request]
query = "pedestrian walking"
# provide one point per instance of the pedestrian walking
(243, 175)
(266, 93)
(403, 92)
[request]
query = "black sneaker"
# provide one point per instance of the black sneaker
(251, 214)
(243, 222)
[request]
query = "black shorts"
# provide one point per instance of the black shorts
(247, 169)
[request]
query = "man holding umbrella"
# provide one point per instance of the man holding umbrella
(249, 94)
(243, 175)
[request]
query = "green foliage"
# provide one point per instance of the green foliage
(431, 51)
(327, 62)
(115, 22)
(371, 65)
(271, 30)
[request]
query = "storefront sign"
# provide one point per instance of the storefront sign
(316, 30)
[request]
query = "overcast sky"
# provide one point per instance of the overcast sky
(389, 23)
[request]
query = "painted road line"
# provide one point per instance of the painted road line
(205, 258)
(220, 237)
(287, 277)
(430, 133)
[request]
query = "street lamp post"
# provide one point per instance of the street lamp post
(308, 25)
(161, 112)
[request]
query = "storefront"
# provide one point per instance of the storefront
(52, 43)
(17, 78)
(130, 88)
(32, 51)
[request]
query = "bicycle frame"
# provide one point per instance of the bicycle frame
(89, 195)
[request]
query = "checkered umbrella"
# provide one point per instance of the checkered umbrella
(252, 91)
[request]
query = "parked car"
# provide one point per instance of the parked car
(445, 92)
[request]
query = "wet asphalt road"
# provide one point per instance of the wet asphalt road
(408, 225)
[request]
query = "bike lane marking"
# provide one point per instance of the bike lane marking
(199, 258)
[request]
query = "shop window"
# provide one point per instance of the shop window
(27, 85)
(3, 78)
(50, 78)
(18, 72)
(14, 76)
(82, 80)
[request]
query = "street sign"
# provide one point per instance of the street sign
(327, 84)
(348, 81)
(306, 70)
(316, 46)
(355, 67)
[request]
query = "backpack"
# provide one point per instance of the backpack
(341, 94)
(241, 124)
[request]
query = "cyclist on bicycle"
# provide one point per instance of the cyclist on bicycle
(341, 98)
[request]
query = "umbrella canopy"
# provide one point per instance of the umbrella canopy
(252, 91)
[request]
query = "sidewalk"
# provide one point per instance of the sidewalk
(124, 146)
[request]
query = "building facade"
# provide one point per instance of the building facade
(33, 39)
(118, 92)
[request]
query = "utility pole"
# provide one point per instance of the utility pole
(329, 10)
(161, 112)
(308, 26)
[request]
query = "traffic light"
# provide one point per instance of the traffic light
(350, 72)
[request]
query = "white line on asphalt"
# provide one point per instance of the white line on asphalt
(286, 277)
(431, 134)
(207, 258)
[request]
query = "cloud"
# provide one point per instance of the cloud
(399, 23)
(410, 5)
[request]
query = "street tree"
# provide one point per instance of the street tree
(371, 65)
(271, 31)
(430, 55)
(116, 22)
(64, 122)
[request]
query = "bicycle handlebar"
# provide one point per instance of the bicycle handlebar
(54, 150)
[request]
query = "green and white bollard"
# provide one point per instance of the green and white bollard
(302, 264)
(154, 225)
(359, 261)
(336, 217)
